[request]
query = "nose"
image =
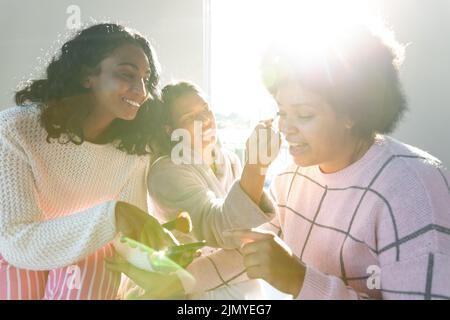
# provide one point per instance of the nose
(288, 127)
(140, 88)
(205, 117)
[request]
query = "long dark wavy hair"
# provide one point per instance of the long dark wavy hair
(63, 99)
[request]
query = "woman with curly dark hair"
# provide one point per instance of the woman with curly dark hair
(74, 157)
(362, 214)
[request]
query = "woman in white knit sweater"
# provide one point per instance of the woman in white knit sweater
(73, 166)
(361, 214)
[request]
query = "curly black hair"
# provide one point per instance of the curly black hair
(62, 97)
(357, 74)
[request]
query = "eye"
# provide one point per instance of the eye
(305, 117)
(127, 75)
(189, 118)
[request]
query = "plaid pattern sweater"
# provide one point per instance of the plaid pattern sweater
(379, 228)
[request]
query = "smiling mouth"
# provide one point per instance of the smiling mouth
(131, 102)
(292, 144)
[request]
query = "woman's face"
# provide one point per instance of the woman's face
(191, 111)
(315, 133)
(119, 89)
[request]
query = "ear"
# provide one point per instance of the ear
(348, 123)
(168, 129)
(86, 77)
(86, 83)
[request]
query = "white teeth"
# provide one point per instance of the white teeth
(133, 103)
(297, 144)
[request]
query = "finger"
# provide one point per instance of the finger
(134, 273)
(256, 272)
(255, 247)
(116, 258)
(117, 267)
(252, 235)
(109, 259)
(252, 260)
(267, 122)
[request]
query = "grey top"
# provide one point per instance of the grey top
(215, 202)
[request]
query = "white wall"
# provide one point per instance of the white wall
(425, 73)
(29, 29)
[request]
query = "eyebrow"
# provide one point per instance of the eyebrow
(192, 112)
(129, 64)
(297, 105)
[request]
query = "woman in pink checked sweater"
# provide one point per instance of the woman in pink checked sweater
(361, 214)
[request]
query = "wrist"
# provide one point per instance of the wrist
(298, 277)
(255, 169)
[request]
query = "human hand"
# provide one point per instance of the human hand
(137, 224)
(263, 145)
(267, 257)
(156, 285)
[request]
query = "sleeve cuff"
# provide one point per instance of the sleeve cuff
(246, 213)
(267, 205)
(111, 217)
(316, 285)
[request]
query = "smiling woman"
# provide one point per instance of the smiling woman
(362, 214)
(97, 84)
(74, 157)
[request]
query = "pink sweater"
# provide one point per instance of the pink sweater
(380, 228)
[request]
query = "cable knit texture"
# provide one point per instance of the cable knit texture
(379, 228)
(57, 200)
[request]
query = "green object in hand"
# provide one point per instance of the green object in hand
(193, 246)
(144, 257)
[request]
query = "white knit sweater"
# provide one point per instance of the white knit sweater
(57, 200)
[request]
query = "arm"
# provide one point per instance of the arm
(177, 188)
(262, 148)
(222, 267)
(412, 265)
(26, 239)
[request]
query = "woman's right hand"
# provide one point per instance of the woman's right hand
(263, 145)
(156, 285)
(137, 224)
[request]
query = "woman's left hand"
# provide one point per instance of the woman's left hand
(267, 257)
(156, 285)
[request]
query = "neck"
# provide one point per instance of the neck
(352, 153)
(94, 125)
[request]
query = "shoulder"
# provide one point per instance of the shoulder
(164, 170)
(20, 121)
(413, 187)
(406, 165)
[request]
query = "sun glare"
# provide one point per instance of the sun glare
(242, 30)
